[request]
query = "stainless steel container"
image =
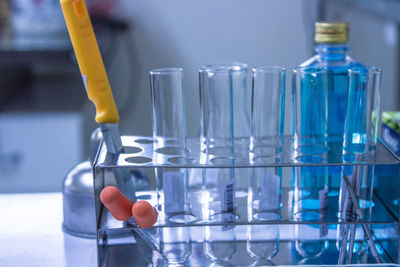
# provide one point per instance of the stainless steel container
(78, 202)
(78, 195)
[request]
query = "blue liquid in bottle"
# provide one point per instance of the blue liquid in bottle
(334, 57)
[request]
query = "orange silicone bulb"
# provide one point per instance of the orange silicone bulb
(144, 214)
(119, 205)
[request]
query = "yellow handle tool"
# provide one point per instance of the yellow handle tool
(89, 60)
(97, 86)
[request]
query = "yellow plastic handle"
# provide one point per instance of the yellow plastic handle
(89, 60)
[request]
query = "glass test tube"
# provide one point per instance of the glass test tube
(310, 110)
(241, 113)
(241, 96)
(217, 147)
(359, 143)
(310, 190)
(267, 128)
(363, 108)
(169, 132)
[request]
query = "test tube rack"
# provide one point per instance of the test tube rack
(119, 244)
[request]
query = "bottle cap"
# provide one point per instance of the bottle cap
(331, 32)
(144, 214)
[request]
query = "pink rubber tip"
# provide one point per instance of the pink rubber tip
(144, 214)
(118, 204)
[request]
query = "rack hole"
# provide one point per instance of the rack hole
(138, 160)
(219, 151)
(144, 197)
(181, 160)
(224, 217)
(222, 161)
(132, 149)
(354, 158)
(312, 149)
(307, 216)
(182, 218)
(144, 141)
(309, 159)
(266, 159)
(172, 150)
(266, 216)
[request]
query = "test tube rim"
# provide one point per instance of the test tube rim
(225, 66)
(264, 68)
(234, 65)
(361, 69)
(214, 69)
(166, 71)
(307, 70)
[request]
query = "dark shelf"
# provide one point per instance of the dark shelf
(57, 49)
(58, 92)
(12, 56)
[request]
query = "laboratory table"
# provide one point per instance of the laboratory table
(31, 233)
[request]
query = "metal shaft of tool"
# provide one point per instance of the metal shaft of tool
(111, 137)
(124, 179)
(367, 231)
(352, 239)
(344, 230)
(352, 215)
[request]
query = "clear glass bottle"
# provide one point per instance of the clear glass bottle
(332, 54)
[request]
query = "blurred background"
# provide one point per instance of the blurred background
(46, 119)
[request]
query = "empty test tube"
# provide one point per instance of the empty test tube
(363, 110)
(267, 110)
(241, 116)
(169, 132)
(241, 96)
(310, 184)
(217, 147)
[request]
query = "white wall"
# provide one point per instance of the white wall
(374, 41)
(189, 34)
